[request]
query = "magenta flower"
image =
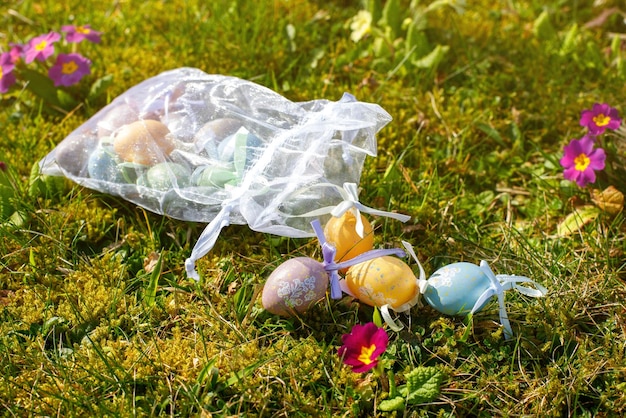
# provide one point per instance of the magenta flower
(581, 159)
(69, 69)
(40, 47)
(79, 33)
(362, 346)
(7, 78)
(16, 52)
(599, 118)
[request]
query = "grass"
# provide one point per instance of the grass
(472, 155)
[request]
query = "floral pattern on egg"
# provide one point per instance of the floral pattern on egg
(294, 286)
(297, 292)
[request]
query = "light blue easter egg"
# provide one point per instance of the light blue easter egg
(454, 289)
(103, 165)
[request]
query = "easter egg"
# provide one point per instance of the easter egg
(72, 155)
(294, 286)
(103, 165)
(213, 176)
(143, 142)
(115, 118)
(211, 133)
(341, 233)
(165, 176)
(382, 281)
(454, 289)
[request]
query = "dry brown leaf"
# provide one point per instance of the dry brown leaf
(149, 263)
(610, 200)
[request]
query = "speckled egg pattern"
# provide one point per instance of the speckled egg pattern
(382, 281)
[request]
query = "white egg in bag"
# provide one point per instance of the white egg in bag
(221, 150)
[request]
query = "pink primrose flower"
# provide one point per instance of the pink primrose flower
(41, 47)
(69, 69)
(79, 33)
(362, 347)
(16, 52)
(599, 118)
(7, 78)
(581, 160)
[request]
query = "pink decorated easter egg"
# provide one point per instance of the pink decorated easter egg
(294, 286)
(382, 281)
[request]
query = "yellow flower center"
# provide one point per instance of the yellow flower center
(581, 162)
(82, 29)
(601, 119)
(69, 67)
(41, 45)
(366, 354)
(1, 73)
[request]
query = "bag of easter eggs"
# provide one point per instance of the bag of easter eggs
(218, 149)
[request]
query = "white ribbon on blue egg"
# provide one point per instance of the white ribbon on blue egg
(499, 284)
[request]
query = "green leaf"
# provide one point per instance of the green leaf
(377, 318)
(395, 404)
(392, 17)
(577, 219)
(40, 185)
(570, 42)
(417, 41)
(432, 60)
(423, 384)
(149, 296)
(542, 28)
(42, 86)
(99, 87)
(491, 133)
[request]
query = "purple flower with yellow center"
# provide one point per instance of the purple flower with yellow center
(599, 118)
(40, 47)
(7, 78)
(77, 34)
(581, 160)
(362, 347)
(69, 69)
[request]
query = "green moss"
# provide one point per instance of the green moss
(471, 154)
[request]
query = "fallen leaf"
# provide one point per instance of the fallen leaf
(576, 220)
(610, 200)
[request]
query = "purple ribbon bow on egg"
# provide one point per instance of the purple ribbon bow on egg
(332, 268)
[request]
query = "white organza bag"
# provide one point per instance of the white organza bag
(222, 150)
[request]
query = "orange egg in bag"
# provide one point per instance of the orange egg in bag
(383, 281)
(342, 233)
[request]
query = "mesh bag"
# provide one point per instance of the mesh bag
(222, 150)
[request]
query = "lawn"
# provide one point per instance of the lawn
(99, 316)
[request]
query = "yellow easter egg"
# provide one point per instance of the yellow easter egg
(341, 233)
(381, 281)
